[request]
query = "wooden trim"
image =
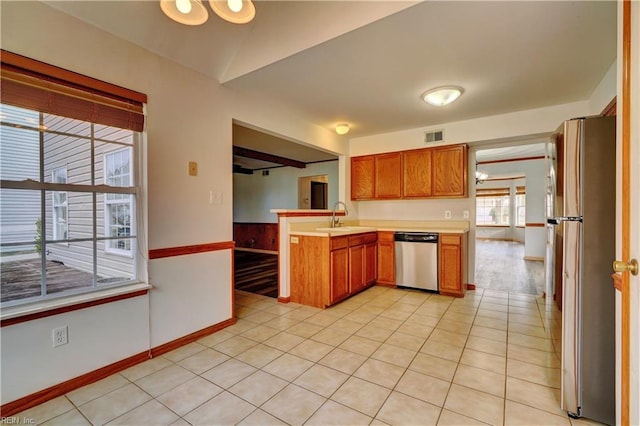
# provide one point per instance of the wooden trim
(60, 389)
(29, 401)
(383, 284)
(270, 158)
(489, 179)
(70, 76)
(190, 338)
(535, 258)
(617, 281)
(493, 226)
(309, 214)
(509, 160)
(76, 307)
(471, 286)
(610, 109)
(626, 214)
(535, 225)
(284, 299)
(184, 250)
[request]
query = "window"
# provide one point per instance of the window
(118, 207)
(521, 206)
(60, 229)
(492, 206)
(68, 198)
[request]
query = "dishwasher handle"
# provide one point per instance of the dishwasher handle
(416, 237)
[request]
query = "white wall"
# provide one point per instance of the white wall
(255, 195)
(604, 92)
(189, 118)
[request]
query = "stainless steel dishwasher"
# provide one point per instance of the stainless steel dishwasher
(416, 257)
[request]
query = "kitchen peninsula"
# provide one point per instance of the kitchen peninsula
(328, 265)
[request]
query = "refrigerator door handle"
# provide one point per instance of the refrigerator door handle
(558, 220)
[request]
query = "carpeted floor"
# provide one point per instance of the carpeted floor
(256, 272)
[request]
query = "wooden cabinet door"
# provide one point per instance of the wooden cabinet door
(386, 258)
(450, 171)
(388, 175)
(450, 267)
(356, 268)
(339, 274)
(370, 263)
(416, 173)
(363, 177)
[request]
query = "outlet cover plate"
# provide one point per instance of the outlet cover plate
(447, 214)
(60, 336)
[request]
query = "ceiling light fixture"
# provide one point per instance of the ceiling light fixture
(441, 96)
(342, 128)
(234, 11)
(193, 12)
(481, 177)
(187, 12)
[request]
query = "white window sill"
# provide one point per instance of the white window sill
(65, 302)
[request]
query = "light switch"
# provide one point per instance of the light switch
(193, 168)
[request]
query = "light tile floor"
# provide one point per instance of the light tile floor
(384, 356)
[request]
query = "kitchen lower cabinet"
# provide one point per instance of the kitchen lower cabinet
(326, 270)
(386, 258)
(452, 267)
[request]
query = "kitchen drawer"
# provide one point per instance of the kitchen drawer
(339, 242)
(356, 240)
(451, 239)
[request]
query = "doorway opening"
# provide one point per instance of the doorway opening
(510, 217)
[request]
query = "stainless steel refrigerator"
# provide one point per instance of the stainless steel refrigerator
(583, 179)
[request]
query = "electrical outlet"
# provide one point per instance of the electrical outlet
(447, 214)
(60, 336)
(465, 214)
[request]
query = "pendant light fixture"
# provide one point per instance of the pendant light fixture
(193, 12)
(441, 96)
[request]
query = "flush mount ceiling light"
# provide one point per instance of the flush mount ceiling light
(342, 128)
(441, 96)
(193, 12)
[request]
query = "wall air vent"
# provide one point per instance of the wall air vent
(434, 136)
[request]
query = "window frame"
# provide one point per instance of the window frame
(55, 206)
(130, 202)
(495, 194)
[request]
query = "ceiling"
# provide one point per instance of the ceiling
(367, 62)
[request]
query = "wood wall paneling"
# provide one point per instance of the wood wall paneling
(263, 236)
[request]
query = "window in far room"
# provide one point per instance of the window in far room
(492, 207)
(521, 206)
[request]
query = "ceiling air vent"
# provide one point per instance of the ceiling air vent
(435, 136)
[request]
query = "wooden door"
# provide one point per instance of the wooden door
(370, 263)
(628, 218)
(416, 173)
(339, 260)
(356, 268)
(362, 177)
(450, 265)
(386, 258)
(388, 175)
(450, 171)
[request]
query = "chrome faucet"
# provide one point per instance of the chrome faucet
(335, 221)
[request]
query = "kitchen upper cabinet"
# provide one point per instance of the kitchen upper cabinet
(421, 173)
(386, 258)
(450, 171)
(452, 268)
(363, 177)
(416, 173)
(388, 171)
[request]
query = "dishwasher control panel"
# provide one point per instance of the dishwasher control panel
(417, 237)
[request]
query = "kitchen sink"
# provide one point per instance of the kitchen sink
(346, 229)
